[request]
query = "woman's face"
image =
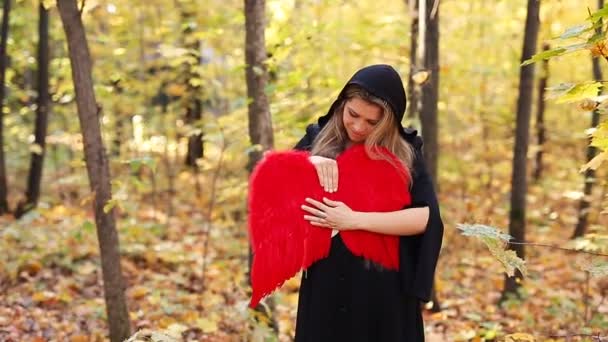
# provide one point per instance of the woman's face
(360, 117)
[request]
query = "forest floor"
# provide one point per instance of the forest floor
(180, 284)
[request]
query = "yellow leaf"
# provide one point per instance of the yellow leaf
(119, 51)
(175, 89)
(206, 325)
(595, 162)
(176, 329)
(32, 268)
(44, 297)
(519, 337)
(420, 77)
(79, 338)
(139, 292)
(36, 149)
(87, 268)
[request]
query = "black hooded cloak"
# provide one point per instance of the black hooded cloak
(346, 298)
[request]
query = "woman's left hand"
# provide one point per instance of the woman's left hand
(329, 214)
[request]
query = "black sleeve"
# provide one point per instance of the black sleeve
(306, 142)
(419, 253)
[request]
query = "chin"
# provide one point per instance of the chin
(355, 139)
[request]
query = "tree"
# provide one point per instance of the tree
(430, 89)
(540, 118)
(98, 170)
(517, 213)
(412, 89)
(260, 122)
(192, 96)
(589, 176)
(3, 64)
(42, 109)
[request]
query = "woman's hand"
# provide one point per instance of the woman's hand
(330, 214)
(327, 170)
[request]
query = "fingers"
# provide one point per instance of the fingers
(317, 204)
(314, 211)
(316, 221)
(327, 171)
(335, 178)
(320, 224)
(320, 173)
(326, 178)
(331, 203)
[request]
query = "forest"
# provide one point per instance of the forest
(129, 131)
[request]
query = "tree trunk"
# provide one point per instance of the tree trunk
(429, 93)
(98, 170)
(540, 118)
(412, 88)
(3, 64)
(430, 89)
(194, 113)
(260, 123)
(192, 96)
(589, 180)
(43, 105)
(517, 214)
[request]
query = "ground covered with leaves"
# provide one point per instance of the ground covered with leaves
(186, 277)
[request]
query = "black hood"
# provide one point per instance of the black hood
(382, 81)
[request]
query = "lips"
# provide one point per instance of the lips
(357, 136)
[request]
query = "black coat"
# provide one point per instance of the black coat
(346, 298)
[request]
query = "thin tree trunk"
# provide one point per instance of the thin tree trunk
(429, 93)
(42, 109)
(98, 170)
(260, 123)
(3, 64)
(193, 102)
(412, 88)
(517, 214)
(584, 205)
(430, 90)
(540, 118)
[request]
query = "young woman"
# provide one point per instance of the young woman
(344, 297)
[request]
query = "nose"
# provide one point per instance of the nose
(358, 129)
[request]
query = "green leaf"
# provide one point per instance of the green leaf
(558, 51)
(545, 55)
(88, 226)
(579, 92)
(483, 231)
(599, 14)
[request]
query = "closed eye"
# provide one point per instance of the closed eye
(355, 115)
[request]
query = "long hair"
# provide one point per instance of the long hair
(333, 139)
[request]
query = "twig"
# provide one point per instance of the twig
(557, 247)
(587, 297)
(81, 8)
(595, 337)
(211, 205)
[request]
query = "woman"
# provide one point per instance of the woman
(344, 297)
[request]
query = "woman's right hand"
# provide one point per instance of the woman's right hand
(327, 170)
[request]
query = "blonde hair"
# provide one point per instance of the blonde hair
(333, 139)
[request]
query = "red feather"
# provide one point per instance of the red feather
(284, 243)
